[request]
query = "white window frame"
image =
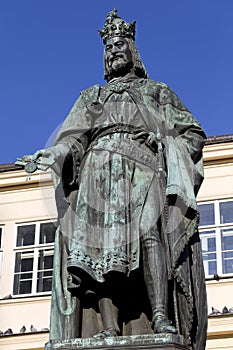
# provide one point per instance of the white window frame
(217, 227)
(36, 247)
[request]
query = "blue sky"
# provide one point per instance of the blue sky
(50, 51)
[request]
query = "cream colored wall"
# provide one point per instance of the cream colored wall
(220, 294)
(220, 328)
(218, 170)
(25, 311)
(217, 183)
(34, 341)
(22, 199)
(220, 333)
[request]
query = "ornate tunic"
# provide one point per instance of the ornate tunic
(114, 184)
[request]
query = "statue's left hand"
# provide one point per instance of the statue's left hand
(149, 138)
(140, 136)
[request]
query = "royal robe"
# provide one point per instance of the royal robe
(110, 186)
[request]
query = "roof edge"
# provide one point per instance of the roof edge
(219, 139)
(9, 167)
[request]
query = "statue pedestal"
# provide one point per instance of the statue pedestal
(136, 342)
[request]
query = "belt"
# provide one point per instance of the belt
(119, 128)
(128, 148)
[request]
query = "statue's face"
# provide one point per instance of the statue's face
(118, 55)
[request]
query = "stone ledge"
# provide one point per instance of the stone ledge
(137, 342)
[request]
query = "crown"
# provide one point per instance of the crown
(116, 26)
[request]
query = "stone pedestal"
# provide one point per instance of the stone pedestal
(136, 342)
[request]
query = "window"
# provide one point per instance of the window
(34, 258)
(216, 233)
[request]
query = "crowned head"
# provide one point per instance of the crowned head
(120, 55)
(116, 27)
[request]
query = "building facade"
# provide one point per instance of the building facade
(215, 201)
(27, 226)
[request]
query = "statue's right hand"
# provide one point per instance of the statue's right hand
(52, 157)
(49, 156)
(32, 162)
(45, 157)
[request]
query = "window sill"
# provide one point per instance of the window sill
(26, 298)
(220, 279)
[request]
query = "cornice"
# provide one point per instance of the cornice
(218, 153)
(19, 178)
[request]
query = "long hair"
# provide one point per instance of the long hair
(138, 67)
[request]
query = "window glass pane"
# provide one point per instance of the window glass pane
(226, 212)
(24, 261)
(45, 259)
(227, 262)
(23, 272)
(22, 286)
(208, 241)
(212, 268)
(44, 283)
(227, 239)
(27, 264)
(210, 264)
(208, 244)
(227, 250)
(227, 242)
(45, 270)
(25, 235)
(22, 283)
(206, 214)
(47, 232)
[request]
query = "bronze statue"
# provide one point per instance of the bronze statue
(127, 165)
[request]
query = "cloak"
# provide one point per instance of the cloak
(181, 140)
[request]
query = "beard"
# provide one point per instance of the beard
(120, 68)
